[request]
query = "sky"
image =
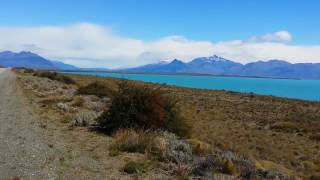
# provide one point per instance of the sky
(105, 33)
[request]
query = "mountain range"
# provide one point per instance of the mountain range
(30, 60)
(213, 65)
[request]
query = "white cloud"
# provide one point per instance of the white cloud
(91, 45)
(280, 36)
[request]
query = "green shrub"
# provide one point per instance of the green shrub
(46, 74)
(65, 79)
(96, 88)
(134, 167)
(55, 76)
(142, 107)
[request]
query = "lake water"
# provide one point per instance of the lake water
(298, 89)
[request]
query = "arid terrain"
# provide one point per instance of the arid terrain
(276, 135)
(274, 130)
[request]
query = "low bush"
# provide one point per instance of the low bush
(163, 146)
(27, 70)
(129, 140)
(285, 127)
(315, 137)
(84, 118)
(78, 101)
(133, 167)
(96, 88)
(65, 79)
(199, 148)
(142, 107)
(55, 76)
(46, 74)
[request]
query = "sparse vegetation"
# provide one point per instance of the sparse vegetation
(129, 140)
(199, 148)
(84, 118)
(143, 107)
(316, 137)
(282, 132)
(95, 88)
(285, 127)
(27, 70)
(55, 76)
(78, 101)
(133, 167)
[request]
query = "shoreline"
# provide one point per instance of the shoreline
(185, 86)
(186, 74)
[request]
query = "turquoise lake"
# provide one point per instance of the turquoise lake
(298, 89)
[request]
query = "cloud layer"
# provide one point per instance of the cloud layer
(91, 45)
(280, 36)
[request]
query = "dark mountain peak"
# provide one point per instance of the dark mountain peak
(278, 61)
(6, 53)
(30, 60)
(27, 54)
(273, 62)
(24, 54)
(216, 58)
(176, 61)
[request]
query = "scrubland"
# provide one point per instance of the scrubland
(129, 129)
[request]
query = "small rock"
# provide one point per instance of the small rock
(84, 118)
(62, 106)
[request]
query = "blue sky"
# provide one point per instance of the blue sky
(151, 19)
(154, 20)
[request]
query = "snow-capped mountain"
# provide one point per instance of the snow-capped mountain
(216, 65)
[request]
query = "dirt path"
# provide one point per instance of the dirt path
(23, 152)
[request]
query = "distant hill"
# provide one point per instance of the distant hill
(24, 59)
(95, 69)
(213, 65)
(31, 60)
(216, 65)
(61, 65)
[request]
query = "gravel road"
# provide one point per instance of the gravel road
(23, 151)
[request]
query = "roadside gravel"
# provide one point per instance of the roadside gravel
(24, 153)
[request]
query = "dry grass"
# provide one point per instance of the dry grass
(54, 76)
(277, 130)
(200, 148)
(78, 101)
(261, 127)
(129, 140)
(96, 88)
